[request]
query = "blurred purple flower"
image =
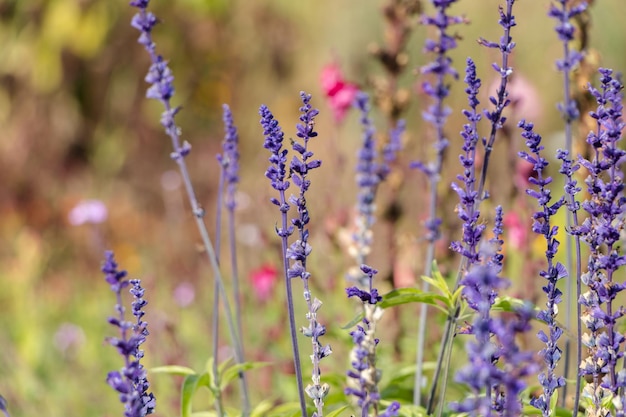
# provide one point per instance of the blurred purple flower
(88, 211)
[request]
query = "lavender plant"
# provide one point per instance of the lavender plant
(364, 374)
(499, 369)
(496, 119)
(161, 88)
(229, 176)
(299, 250)
(543, 225)
(564, 15)
(130, 382)
(601, 231)
(436, 114)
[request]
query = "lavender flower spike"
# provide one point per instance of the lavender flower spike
(601, 231)
(299, 251)
(130, 382)
(364, 376)
(436, 114)
(554, 272)
(277, 174)
(468, 195)
(161, 88)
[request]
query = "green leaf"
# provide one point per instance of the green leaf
(354, 321)
(262, 408)
(413, 295)
(189, 388)
(337, 412)
(233, 372)
(173, 370)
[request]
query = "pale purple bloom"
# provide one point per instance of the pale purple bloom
(88, 212)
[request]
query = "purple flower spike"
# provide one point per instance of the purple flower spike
(468, 206)
(230, 158)
(130, 382)
(601, 231)
(364, 376)
(554, 272)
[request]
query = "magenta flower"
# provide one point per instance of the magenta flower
(339, 92)
(263, 281)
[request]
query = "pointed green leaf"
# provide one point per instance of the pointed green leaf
(189, 388)
(337, 412)
(354, 321)
(262, 408)
(233, 372)
(413, 295)
(172, 370)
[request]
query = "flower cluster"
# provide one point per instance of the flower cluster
(601, 231)
(130, 382)
(364, 377)
(497, 366)
(542, 225)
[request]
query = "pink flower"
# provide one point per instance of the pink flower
(340, 93)
(263, 281)
(516, 230)
(88, 211)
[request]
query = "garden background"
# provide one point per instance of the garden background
(76, 125)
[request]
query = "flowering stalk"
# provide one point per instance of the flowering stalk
(161, 88)
(506, 45)
(277, 174)
(468, 208)
(555, 271)
(229, 175)
(364, 375)
(299, 251)
(601, 231)
(569, 110)
(130, 381)
(437, 115)
(367, 180)
(568, 168)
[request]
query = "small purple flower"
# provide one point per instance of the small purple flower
(130, 382)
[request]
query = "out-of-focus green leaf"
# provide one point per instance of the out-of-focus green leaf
(231, 373)
(354, 321)
(173, 370)
(337, 412)
(189, 388)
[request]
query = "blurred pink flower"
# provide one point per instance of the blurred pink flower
(516, 230)
(88, 211)
(340, 93)
(184, 294)
(263, 281)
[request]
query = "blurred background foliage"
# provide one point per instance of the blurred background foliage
(75, 125)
